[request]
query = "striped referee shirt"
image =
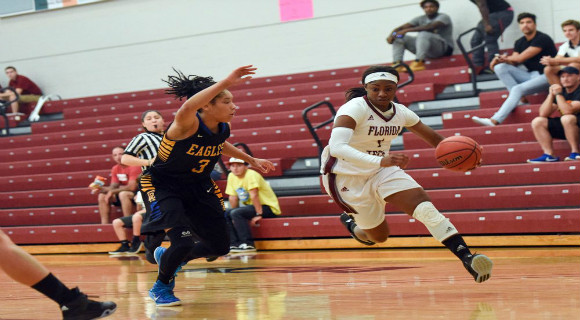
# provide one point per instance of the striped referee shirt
(144, 146)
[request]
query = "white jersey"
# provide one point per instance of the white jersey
(568, 50)
(373, 134)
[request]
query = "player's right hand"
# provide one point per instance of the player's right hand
(395, 159)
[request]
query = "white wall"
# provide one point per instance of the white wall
(128, 45)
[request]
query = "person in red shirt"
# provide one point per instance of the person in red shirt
(121, 190)
(28, 91)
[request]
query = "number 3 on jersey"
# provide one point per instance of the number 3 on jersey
(201, 165)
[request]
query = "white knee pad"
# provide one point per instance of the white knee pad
(439, 226)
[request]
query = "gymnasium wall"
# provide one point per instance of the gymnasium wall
(126, 45)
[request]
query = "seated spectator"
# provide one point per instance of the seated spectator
(121, 190)
(528, 50)
(496, 16)
(568, 53)
(434, 38)
(564, 97)
(133, 222)
(251, 199)
(26, 89)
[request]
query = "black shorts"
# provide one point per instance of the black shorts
(117, 203)
(128, 221)
(556, 129)
(196, 205)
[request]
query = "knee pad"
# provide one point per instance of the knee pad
(438, 225)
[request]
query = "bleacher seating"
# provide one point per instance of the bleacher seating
(46, 199)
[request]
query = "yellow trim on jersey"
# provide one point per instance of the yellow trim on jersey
(147, 187)
(165, 149)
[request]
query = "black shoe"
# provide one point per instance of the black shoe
(124, 248)
(349, 223)
(82, 308)
(136, 247)
(479, 266)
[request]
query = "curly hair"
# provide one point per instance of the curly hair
(182, 86)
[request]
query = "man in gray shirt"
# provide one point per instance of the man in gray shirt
(434, 38)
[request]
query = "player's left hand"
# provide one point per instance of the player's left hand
(241, 73)
(262, 164)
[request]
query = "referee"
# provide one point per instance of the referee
(142, 151)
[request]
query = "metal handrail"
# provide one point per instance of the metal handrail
(409, 72)
(466, 53)
(313, 128)
(35, 114)
(4, 106)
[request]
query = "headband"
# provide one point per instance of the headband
(380, 76)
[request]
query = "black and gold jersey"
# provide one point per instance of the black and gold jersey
(191, 159)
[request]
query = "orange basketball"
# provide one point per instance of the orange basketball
(458, 153)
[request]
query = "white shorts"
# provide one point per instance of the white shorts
(364, 196)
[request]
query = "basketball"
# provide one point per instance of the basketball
(458, 153)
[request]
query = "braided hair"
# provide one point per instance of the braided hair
(182, 86)
(361, 91)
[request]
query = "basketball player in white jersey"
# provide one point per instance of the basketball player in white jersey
(362, 176)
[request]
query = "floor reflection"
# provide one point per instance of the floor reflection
(363, 284)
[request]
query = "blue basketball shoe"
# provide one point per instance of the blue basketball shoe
(163, 295)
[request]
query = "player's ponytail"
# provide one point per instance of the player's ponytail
(355, 93)
(182, 86)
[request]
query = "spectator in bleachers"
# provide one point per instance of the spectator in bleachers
(434, 38)
(121, 190)
(27, 90)
(134, 223)
(362, 175)
(25, 269)
(568, 53)
(564, 98)
(141, 151)
(496, 16)
(251, 199)
(528, 50)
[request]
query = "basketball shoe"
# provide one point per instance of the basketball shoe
(483, 121)
(136, 247)
(124, 248)
(83, 308)
(243, 248)
(479, 266)
(163, 295)
(349, 223)
(544, 158)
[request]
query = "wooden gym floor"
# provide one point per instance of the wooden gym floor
(527, 283)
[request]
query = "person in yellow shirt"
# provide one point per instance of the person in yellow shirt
(251, 199)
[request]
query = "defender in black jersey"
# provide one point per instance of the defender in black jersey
(179, 194)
